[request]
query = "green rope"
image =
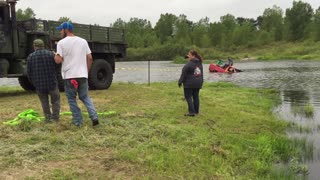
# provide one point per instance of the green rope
(31, 115)
(27, 115)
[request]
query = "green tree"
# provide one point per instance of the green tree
(64, 19)
(258, 22)
(200, 36)
(182, 30)
(164, 27)
(150, 38)
(119, 24)
(25, 14)
(272, 22)
(139, 33)
(229, 22)
(241, 20)
(242, 35)
(217, 34)
(263, 38)
(316, 25)
(298, 19)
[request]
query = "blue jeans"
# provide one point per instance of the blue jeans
(82, 91)
(192, 97)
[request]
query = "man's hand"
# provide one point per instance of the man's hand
(57, 58)
(179, 84)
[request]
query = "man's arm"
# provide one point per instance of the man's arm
(89, 61)
(57, 58)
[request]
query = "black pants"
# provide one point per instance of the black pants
(192, 98)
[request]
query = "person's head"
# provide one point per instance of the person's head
(65, 29)
(38, 44)
(194, 54)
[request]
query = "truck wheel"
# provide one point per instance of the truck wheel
(101, 75)
(26, 84)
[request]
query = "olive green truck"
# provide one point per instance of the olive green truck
(16, 43)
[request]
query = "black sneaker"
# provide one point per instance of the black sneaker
(95, 122)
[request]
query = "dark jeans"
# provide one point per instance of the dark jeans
(192, 98)
(55, 102)
(82, 92)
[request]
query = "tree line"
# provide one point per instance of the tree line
(173, 33)
(298, 23)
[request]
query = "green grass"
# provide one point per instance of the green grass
(282, 51)
(235, 136)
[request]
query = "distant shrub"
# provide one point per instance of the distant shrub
(179, 60)
(163, 52)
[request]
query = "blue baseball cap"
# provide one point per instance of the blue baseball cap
(65, 25)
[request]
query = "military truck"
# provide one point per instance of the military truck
(16, 43)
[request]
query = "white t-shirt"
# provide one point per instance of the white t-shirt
(73, 50)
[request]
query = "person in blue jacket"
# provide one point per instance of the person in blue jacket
(192, 80)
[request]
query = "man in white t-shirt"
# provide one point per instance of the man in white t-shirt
(75, 55)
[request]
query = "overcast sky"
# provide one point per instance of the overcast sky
(105, 12)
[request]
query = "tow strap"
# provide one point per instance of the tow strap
(32, 115)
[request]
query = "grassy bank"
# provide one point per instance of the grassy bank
(283, 51)
(235, 136)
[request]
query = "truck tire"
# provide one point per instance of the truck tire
(26, 84)
(100, 75)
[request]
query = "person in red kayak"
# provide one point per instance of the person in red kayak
(230, 63)
(192, 80)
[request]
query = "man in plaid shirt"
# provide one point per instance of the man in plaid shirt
(41, 70)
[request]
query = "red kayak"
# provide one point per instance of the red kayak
(228, 69)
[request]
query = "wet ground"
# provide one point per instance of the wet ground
(297, 81)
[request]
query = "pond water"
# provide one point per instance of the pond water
(297, 81)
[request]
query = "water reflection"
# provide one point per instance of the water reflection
(295, 97)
